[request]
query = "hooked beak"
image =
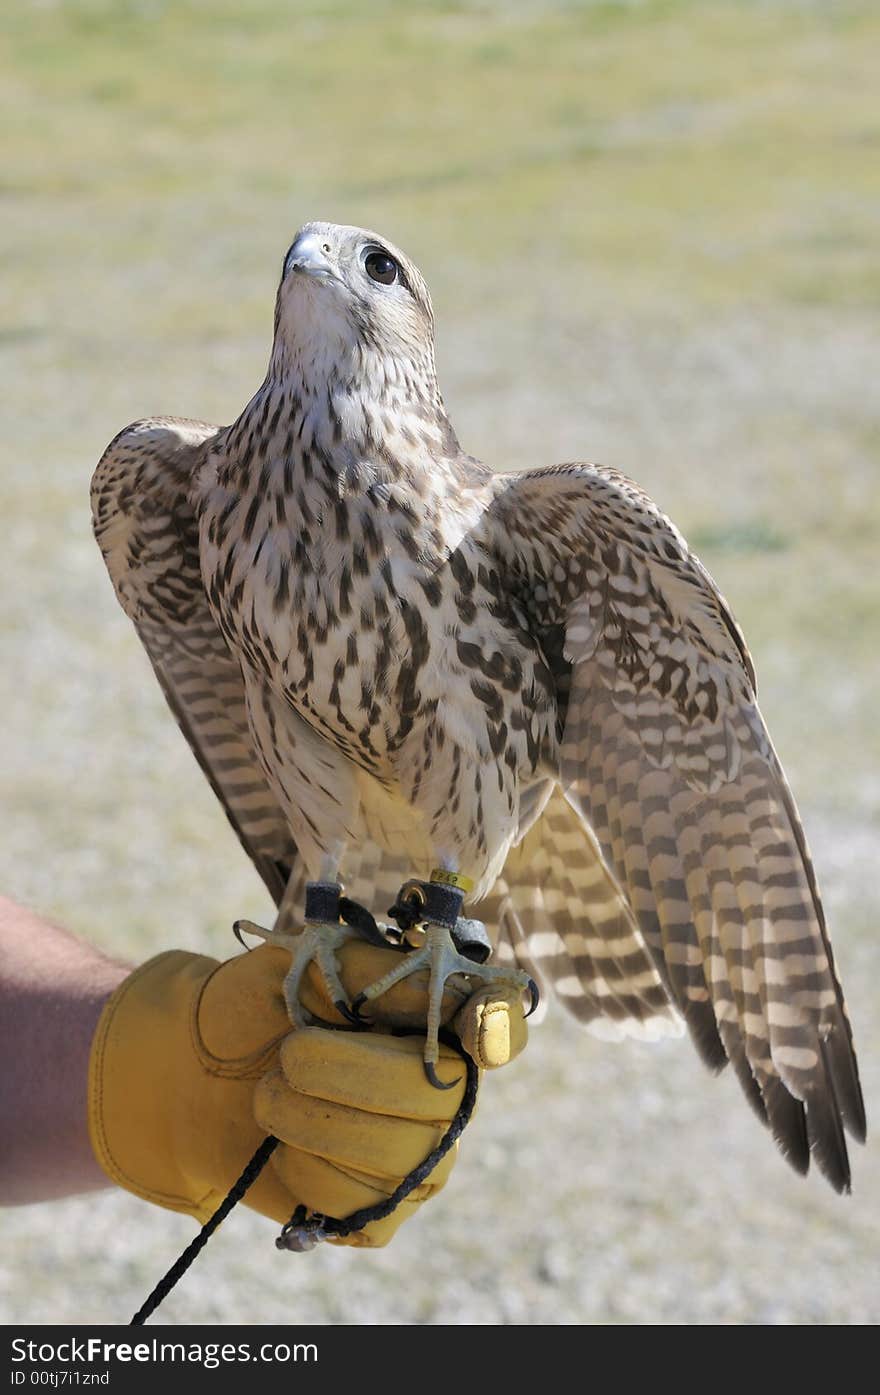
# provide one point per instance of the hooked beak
(309, 255)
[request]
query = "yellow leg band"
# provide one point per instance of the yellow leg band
(452, 879)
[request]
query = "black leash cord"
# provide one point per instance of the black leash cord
(301, 1226)
(302, 1231)
(179, 1268)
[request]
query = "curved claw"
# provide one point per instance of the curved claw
(236, 930)
(435, 1080)
(350, 1013)
(313, 1021)
(535, 995)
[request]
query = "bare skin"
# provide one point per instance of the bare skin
(52, 989)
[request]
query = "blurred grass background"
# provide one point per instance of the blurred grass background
(651, 231)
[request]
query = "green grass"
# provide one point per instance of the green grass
(650, 230)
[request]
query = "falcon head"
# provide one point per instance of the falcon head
(349, 295)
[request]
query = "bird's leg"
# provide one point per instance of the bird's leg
(318, 941)
(433, 907)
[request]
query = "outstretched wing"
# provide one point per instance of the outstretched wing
(147, 531)
(666, 760)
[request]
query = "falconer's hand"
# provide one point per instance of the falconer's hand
(195, 1062)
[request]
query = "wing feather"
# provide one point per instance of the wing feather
(147, 531)
(561, 910)
(665, 757)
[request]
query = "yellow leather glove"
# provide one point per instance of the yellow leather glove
(193, 1063)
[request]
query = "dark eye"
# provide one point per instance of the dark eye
(380, 267)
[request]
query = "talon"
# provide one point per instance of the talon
(349, 1013)
(314, 1021)
(315, 944)
(435, 1080)
(535, 993)
(247, 927)
(356, 1005)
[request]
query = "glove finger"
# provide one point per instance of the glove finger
(378, 1233)
(361, 964)
(492, 1027)
(272, 1195)
(385, 1148)
(372, 1071)
(339, 1192)
(240, 1014)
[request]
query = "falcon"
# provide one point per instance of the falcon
(408, 674)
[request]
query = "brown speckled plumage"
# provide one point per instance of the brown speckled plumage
(387, 657)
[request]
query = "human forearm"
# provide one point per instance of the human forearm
(52, 989)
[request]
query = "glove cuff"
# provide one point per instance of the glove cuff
(142, 1056)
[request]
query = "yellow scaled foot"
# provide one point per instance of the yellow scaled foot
(316, 943)
(442, 961)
